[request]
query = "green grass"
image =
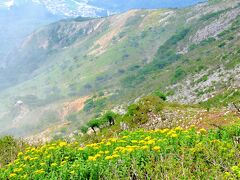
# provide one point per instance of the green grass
(167, 153)
(224, 99)
(143, 60)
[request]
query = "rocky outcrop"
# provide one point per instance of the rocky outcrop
(216, 27)
(188, 91)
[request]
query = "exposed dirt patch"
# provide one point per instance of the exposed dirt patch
(116, 25)
(209, 120)
(73, 106)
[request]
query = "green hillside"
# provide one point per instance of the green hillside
(177, 149)
(191, 54)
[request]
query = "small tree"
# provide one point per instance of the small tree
(110, 117)
(94, 123)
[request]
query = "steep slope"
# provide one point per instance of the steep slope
(126, 56)
(17, 22)
(18, 18)
(93, 8)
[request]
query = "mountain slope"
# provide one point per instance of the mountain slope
(122, 57)
(18, 18)
(18, 22)
(93, 8)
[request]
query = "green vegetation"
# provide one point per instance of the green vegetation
(202, 43)
(156, 154)
(133, 61)
(9, 149)
(212, 15)
(95, 105)
(95, 123)
(179, 75)
(223, 99)
(166, 53)
(161, 95)
(138, 113)
(202, 79)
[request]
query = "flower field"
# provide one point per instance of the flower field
(156, 154)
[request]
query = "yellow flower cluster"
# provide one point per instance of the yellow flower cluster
(71, 157)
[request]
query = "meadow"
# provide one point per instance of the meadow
(154, 154)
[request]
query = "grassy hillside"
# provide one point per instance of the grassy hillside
(156, 154)
(120, 58)
(154, 139)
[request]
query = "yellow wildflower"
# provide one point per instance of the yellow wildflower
(203, 131)
(111, 157)
(92, 158)
(174, 135)
(113, 139)
(20, 154)
(134, 141)
(108, 143)
(42, 164)
(12, 175)
(156, 148)
(101, 152)
(192, 127)
(121, 141)
(80, 149)
(62, 144)
(178, 129)
(148, 138)
(51, 148)
(98, 155)
(106, 152)
(144, 147)
(115, 156)
(17, 170)
(72, 172)
(150, 142)
(26, 158)
(41, 171)
(54, 164)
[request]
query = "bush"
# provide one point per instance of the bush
(179, 74)
(222, 45)
(139, 113)
(9, 148)
(84, 129)
(110, 117)
(160, 95)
